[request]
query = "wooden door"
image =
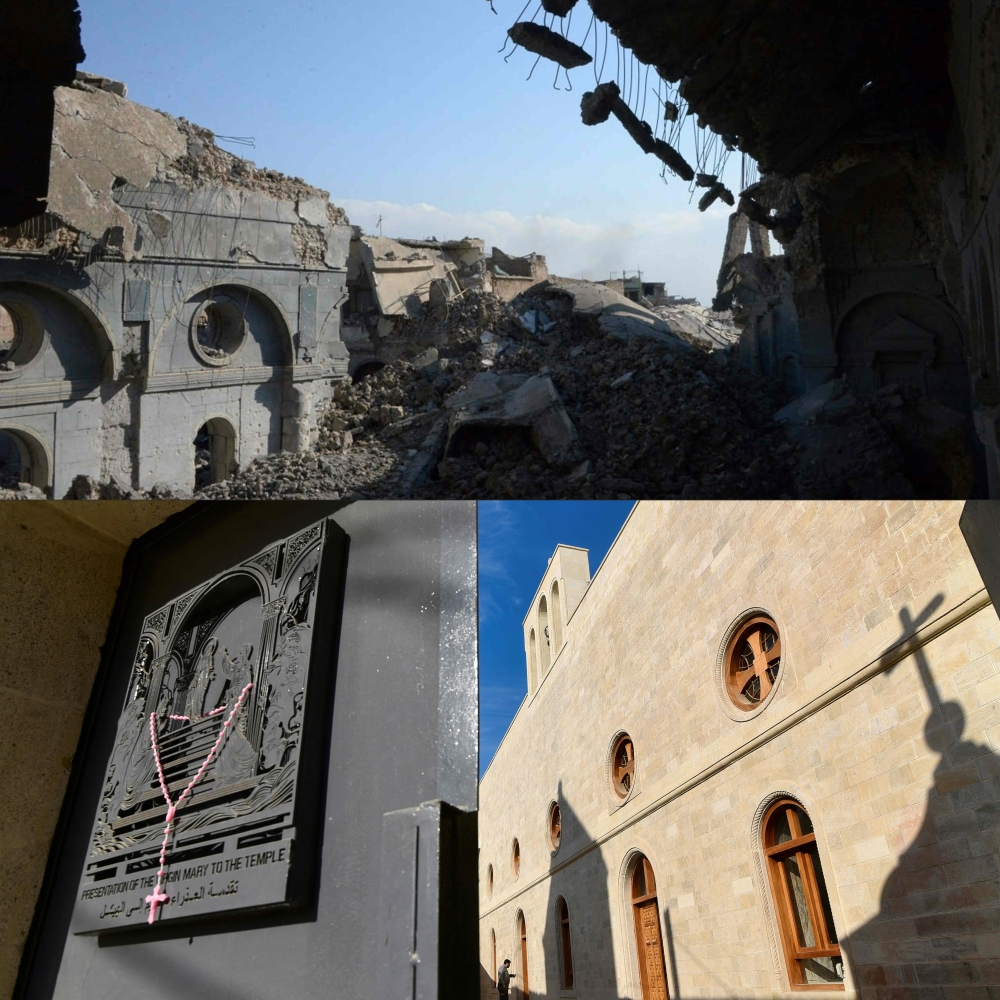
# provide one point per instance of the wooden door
(652, 969)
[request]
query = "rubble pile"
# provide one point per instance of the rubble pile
(540, 399)
(536, 399)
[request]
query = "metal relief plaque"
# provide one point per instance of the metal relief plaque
(198, 811)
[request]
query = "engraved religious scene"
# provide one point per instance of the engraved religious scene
(196, 812)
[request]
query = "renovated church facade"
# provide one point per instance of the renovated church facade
(758, 756)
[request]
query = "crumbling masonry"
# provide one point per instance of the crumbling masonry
(170, 292)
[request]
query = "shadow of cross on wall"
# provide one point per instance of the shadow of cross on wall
(936, 935)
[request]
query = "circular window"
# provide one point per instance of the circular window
(489, 881)
(515, 858)
(21, 335)
(752, 662)
(623, 766)
(555, 826)
(218, 330)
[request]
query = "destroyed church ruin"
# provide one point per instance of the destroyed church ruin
(876, 128)
(173, 305)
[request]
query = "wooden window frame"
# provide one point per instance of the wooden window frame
(774, 855)
(562, 915)
(762, 662)
(619, 772)
(555, 828)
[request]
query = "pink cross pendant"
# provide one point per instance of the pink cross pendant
(157, 899)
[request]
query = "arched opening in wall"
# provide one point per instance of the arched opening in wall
(566, 949)
(515, 858)
(495, 969)
(522, 931)
(532, 661)
(489, 884)
(365, 369)
(214, 452)
(808, 935)
(648, 938)
(544, 639)
(910, 349)
(556, 626)
(22, 460)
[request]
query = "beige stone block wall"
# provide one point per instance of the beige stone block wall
(62, 563)
(842, 581)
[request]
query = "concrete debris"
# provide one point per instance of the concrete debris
(700, 326)
(558, 7)
(718, 191)
(617, 315)
(548, 43)
(22, 491)
(529, 403)
(604, 100)
(581, 411)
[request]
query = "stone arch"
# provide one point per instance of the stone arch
(544, 640)
(556, 626)
(30, 452)
(217, 437)
(633, 856)
(532, 661)
(905, 336)
(193, 297)
(762, 885)
(361, 368)
(43, 312)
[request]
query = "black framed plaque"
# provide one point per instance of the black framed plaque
(208, 805)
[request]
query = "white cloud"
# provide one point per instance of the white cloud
(682, 248)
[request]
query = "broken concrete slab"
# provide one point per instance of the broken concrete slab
(534, 404)
(619, 316)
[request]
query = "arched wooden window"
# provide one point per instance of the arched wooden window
(808, 936)
(544, 639)
(515, 858)
(532, 660)
(523, 932)
(562, 912)
(753, 660)
(494, 967)
(489, 883)
(556, 614)
(648, 940)
(555, 826)
(623, 766)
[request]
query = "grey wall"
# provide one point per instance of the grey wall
(404, 731)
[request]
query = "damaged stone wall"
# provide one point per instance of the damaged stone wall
(168, 286)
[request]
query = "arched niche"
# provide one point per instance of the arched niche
(24, 457)
(556, 613)
(47, 334)
(222, 326)
(544, 638)
(904, 337)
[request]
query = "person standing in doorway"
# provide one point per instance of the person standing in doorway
(504, 976)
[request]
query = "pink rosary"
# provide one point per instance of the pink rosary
(159, 897)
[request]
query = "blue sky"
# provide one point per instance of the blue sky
(516, 539)
(406, 110)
